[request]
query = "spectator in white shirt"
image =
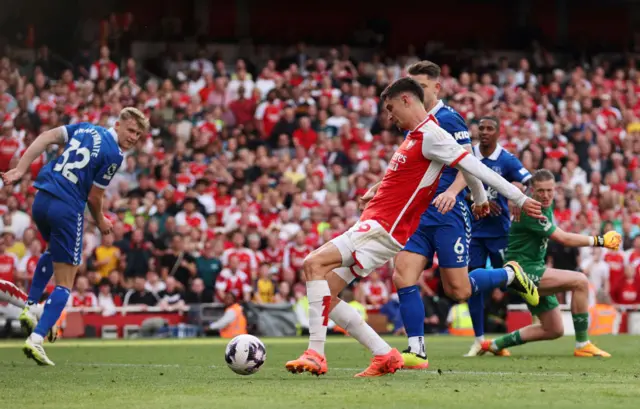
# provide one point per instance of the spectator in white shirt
(597, 270)
(202, 64)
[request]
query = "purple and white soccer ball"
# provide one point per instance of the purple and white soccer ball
(245, 354)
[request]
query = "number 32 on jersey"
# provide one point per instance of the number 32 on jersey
(73, 158)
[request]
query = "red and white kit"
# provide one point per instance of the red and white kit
(406, 191)
(407, 188)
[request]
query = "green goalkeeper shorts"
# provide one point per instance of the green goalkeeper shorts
(547, 302)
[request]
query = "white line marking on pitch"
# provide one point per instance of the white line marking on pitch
(428, 372)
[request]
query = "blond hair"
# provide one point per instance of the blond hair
(136, 115)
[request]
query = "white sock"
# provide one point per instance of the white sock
(416, 345)
(38, 339)
(480, 339)
(582, 344)
(351, 321)
(319, 304)
(510, 274)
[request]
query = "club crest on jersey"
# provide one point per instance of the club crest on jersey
(497, 169)
(411, 143)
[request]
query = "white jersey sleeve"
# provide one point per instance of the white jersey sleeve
(472, 165)
(438, 145)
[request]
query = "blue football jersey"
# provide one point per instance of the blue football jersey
(510, 168)
(91, 156)
(452, 122)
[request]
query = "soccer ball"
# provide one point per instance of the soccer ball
(245, 354)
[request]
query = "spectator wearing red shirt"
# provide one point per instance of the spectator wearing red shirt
(243, 109)
(9, 145)
(8, 262)
(244, 256)
(233, 280)
(82, 296)
(305, 136)
(104, 63)
(375, 291)
(627, 289)
(295, 253)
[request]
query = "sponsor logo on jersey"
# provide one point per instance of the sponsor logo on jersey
(461, 135)
(396, 160)
(111, 171)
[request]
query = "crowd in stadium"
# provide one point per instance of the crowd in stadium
(246, 171)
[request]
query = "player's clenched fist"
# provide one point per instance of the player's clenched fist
(533, 208)
(610, 240)
(105, 226)
(480, 210)
(366, 198)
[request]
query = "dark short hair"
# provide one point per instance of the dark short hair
(491, 118)
(400, 86)
(542, 175)
(424, 67)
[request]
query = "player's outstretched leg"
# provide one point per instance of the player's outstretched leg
(484, 280)
(44, 271)
(33, 346)
(409, 266)
(316, 268)
(385, 359)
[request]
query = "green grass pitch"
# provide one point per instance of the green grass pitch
(191, 374)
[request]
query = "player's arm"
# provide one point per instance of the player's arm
(105, 173)
(446, 200)
(95, 202)
(610, 240)
(366, 198)
(56, 136)
(440, 146)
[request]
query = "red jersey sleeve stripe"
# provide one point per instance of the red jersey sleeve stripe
(455, 162)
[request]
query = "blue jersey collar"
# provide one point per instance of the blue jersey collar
(494, 156)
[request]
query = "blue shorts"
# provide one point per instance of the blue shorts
(61, 226)
(447, 235)
(492, 248)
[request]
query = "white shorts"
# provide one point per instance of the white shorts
(364, 247)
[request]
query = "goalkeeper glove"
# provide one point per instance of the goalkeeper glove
(610, 240)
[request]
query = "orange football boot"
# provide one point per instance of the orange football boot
(486, 347)
(591, 350)
(383, 364)
(309, 361)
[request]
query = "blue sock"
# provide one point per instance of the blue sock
(483, 279)
(52, 310)
(476, 310)
(412, 312)
(41, 277)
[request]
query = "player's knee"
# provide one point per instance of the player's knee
(459, 291)
(400, 280)
(312, 268)
(582, 283)
(554, 332)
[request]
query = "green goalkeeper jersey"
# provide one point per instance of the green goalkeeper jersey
(528, 238)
